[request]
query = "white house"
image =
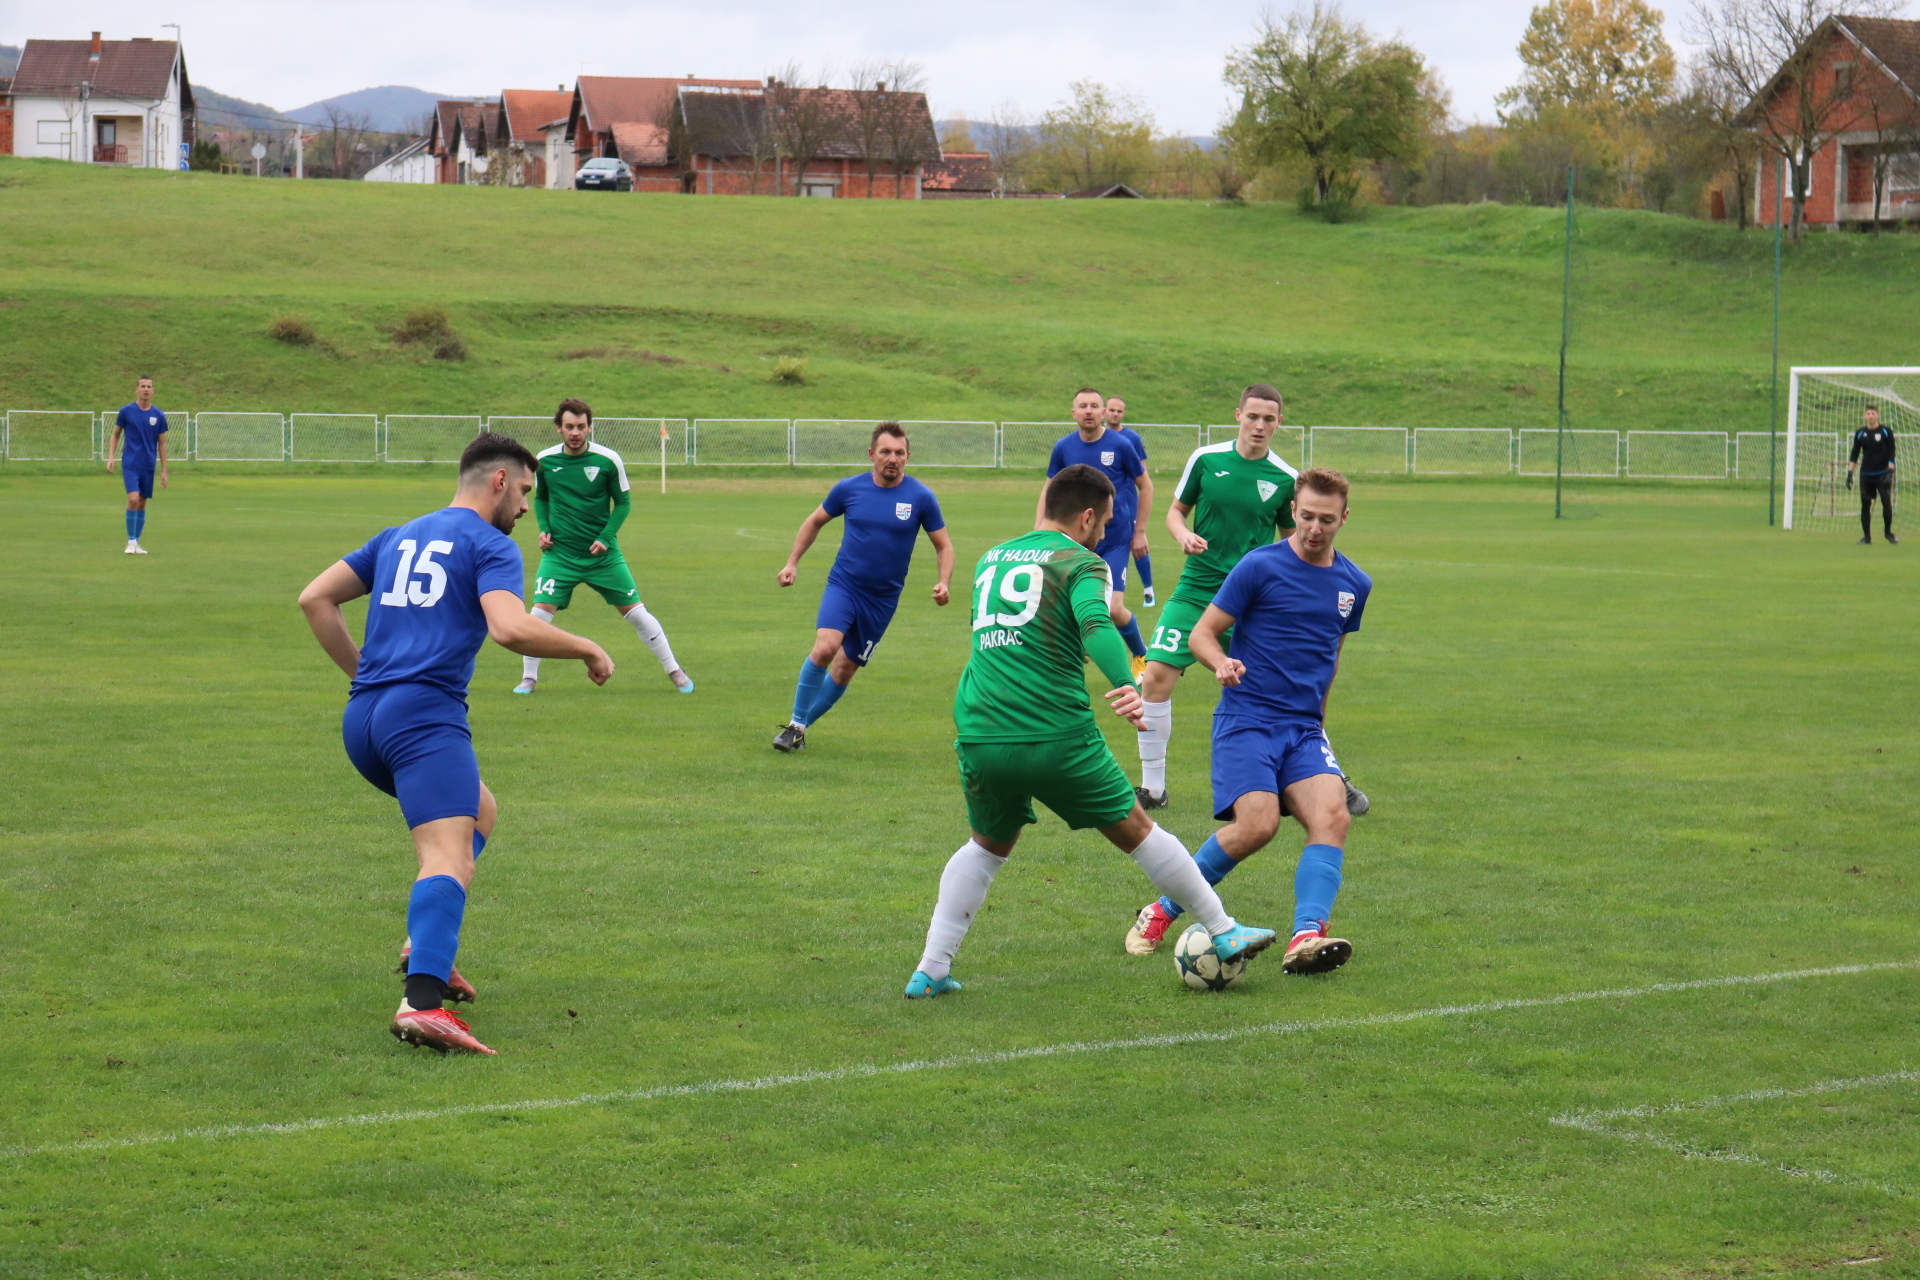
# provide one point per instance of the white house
(119, 102)
(413, 163)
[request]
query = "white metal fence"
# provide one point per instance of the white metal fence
(250, 436)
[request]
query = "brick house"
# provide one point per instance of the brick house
(859, 144)
(1863, 96)
(458, 139)
(519, 129)
(113, 102)
(601, 105)
(961, 175)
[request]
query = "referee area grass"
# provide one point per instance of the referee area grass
(1654, 746)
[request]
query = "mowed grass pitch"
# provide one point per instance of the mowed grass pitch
(1659, 745)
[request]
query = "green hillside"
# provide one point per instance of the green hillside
(667, 305)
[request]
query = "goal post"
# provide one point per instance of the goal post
(1826, 404)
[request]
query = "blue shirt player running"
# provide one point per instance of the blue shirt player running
(1117, 421)
(1291, 606)
(441, 585)
(1110, 453)
(885, 510)
(137, 447)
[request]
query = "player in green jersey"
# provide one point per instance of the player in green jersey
(1027, 731)
(1232, 497)
(580, 505)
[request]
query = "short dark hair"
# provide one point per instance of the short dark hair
(142, 378)
(1323, 480)
(1262, 391)
(1075, 489)
(572, 405)
(889, 429)
(1089, 391)
(489, 449)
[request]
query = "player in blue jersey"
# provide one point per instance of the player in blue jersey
(441, 585)
(885, 510)
(1291, 606)
(143, 429)
(1110, 453)
(1142, 562)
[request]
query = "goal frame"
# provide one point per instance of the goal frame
(1793, 416)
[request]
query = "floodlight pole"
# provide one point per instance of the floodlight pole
(1773, 395)
(1566, 293)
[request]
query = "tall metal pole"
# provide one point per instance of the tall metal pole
(1773, 395)
(1566, 294)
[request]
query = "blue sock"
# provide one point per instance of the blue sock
(1131, 634)
(139, 522)
(1314, 886)
(133, 525)
(1215, 863)
(829, 694)
(1145, 565)
(433, 922)
(479, 844)
(807, 692)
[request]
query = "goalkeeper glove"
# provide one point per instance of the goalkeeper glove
(1849, 480)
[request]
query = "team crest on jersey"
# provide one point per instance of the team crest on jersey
(593, 473)
(153, 422)
(1346, 603)
(903, 511)
(1267, 489)
(1106, 457)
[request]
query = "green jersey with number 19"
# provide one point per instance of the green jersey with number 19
(1039, 607)
(1236, 504)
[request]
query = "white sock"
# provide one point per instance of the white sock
(1153, 745)
(963, 889)
(653, 635)
(1175, 873)
(530, 667)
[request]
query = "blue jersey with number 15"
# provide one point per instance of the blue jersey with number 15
(424, 621)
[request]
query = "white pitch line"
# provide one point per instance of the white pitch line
(864, 1071)
(1595, 1122)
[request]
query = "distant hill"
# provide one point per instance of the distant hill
(9, 59)
(392, 108)
(218, 111)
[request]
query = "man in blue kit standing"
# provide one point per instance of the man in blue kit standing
(1092, 444)
(441, 584)
(1142, 558)
(885, 510)
(142, 429)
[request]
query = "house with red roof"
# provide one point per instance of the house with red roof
(520, 130)
(458, 139)
(628, 117)
(1853, 88)
(856, 144)
(112, 102)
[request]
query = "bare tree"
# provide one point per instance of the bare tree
(804, 118)
(1010, 143)
(1891, 113)
(342, 143)
(1766, 48)
(905, 123)
(868, 80)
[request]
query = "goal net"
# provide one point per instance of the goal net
(1825, 406)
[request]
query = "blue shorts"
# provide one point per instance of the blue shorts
(138, 479)
(1117, 558)
(412, 742)
(1265, 755)
(861, 616)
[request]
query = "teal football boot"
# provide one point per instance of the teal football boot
(1242, 942)
(921, 987)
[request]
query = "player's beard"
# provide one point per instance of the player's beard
(504, 516)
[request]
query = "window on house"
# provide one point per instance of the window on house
(1903, 174)
(54, 133)
(1843, 79)
(109, 131)
(820, 190)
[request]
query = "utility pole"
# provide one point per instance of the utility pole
(1566, 303)
(299, 154)
(1773, 400)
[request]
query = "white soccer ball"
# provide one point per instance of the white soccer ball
(1199, 967)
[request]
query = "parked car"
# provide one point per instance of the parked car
(604, 174)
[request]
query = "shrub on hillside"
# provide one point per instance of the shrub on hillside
(291, 330)
(429, 327)
(790, 370)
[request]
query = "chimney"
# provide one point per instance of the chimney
(93, 54)
(771, 82)
(881, 87)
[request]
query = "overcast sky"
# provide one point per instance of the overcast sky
(291, 52)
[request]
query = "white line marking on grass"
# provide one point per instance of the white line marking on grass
(1598, 1123)
(865, 1071)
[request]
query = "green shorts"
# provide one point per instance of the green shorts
(561, 571)
(1177, 619)
(1077, 778)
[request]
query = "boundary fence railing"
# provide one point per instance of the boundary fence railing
(30, 435)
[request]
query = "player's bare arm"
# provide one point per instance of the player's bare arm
(321, 602)
(163, 460)
(1145, 487)
(803, 541)
(113, 450)
(1190, 542)
(531, 637)
(943, 561)
(1204, 644)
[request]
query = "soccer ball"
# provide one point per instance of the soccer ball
(1199, 967)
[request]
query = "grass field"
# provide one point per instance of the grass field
(1658, 746)
(669, 306)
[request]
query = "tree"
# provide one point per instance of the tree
(956, 135)
(1008, 138)
(1094, 139)
(803, 118)
(901, 94)
(1714, 102)
(1319, 90)
(1766, 51)
(1890, 111)
(869, 107)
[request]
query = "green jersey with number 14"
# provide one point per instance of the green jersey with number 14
(1236, 504)
(1039, 607)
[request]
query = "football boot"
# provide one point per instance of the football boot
(435, 1029)
(1312, 951)
(1149, 927)
(921, 987)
